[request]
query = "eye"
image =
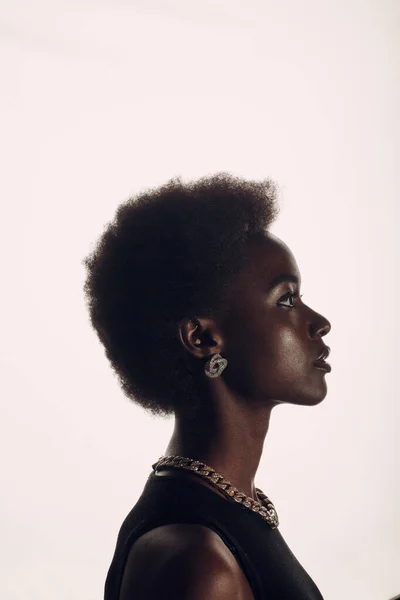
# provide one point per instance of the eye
(289, 296)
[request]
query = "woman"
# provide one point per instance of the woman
(199, 309)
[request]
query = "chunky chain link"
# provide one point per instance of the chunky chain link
(265, 508)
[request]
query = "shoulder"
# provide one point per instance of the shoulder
(184, 561)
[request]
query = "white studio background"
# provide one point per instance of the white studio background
(100, 100)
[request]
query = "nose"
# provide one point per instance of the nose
(320, 326)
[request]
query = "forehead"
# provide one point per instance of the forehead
(268, 257)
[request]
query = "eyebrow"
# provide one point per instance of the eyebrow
(281, 278)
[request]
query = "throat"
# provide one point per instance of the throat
(230, 442)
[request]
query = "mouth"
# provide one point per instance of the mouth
(321, 363)
(323, 366)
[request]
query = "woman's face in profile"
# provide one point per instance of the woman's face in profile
(272, 338)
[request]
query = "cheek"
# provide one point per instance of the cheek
(289, 347)
(278, 341)
(265, 345)
(278, 357)
(267, 353)
(272, 360)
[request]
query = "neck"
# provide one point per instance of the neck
(230, 439)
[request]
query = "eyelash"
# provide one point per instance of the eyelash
(290, 295)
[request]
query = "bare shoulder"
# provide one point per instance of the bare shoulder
(184, 561)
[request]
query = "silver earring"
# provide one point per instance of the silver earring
(215, 366)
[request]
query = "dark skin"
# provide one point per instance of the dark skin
(271, 341)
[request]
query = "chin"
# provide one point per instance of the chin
(306, 397)
(307, 393)
(316, 390)
(315, 401)
(316, 397)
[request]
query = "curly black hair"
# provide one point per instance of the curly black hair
(168, 254)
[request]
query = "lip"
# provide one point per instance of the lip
(323, 355)
(324, 366)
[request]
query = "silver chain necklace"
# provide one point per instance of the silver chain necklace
(265, 508)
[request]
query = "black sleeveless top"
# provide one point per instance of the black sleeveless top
(271, 568)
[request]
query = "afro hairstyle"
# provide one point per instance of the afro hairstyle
(168, 254)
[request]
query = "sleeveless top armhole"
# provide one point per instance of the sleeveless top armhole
(270, 567)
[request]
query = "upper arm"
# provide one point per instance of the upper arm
(184, 561)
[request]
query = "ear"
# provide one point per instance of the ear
(200, 336)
